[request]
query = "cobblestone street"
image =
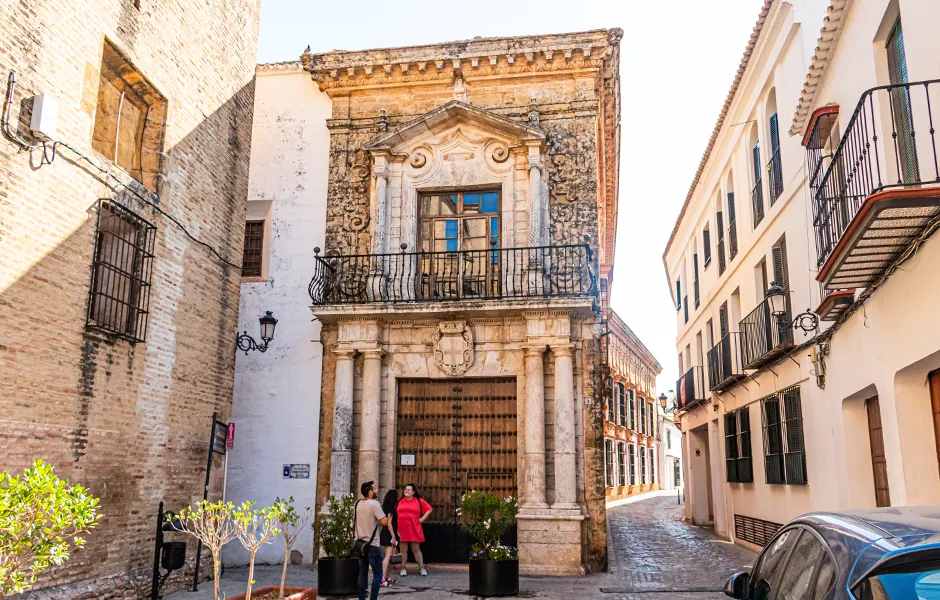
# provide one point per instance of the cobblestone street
(654, 555)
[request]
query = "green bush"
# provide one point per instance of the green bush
(41, 516)
(486, 517)
(334, 527)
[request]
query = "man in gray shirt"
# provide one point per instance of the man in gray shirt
(369, 517)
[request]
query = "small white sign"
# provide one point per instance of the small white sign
(407, 460)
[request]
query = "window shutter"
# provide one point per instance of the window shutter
(755, 155)
(731, 447)
(730, 209)
(723, 319)
(773, 441)
(781, 270)
(795, 457)
(632, 463)
(632, 408)
(774, 134)
(707, 244)
(745, 468)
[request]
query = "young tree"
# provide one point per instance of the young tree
(212, 524)
(40, 517)
(255, 528)
(291, 523)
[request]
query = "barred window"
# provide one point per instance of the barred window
(738, 446)
(784, 452)
(621, 467)
(609, 400)
(252, 255)
(642, 465)
(652, 467)
(631, 462)
(621, 405)
(119, 294)
(631, 407)
(609, 463)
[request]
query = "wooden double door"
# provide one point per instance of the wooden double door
(455, 435)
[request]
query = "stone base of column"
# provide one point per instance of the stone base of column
(549, 544)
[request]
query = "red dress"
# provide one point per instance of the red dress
(409, 515)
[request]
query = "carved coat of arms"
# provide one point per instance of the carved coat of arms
(453, 347)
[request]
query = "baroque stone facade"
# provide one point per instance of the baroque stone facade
(534, 123)
(130, 421)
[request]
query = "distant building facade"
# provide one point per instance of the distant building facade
(117, 323)
(805, 273)
(632, 428)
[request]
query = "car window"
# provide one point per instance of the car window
(798, 574)
(771, 563)
(913, 581)
(827, 574)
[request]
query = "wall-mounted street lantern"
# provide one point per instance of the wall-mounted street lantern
(666, 405)
(245, 342)
(777, 300)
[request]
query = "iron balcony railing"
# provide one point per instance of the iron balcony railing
(725, 362)
(757, 201)
(690, 388)
(879, 150)
(775, 175)
(764, 335)
(498, 273)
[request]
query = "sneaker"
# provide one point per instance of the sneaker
(424, 572)
(392, 581)
(404, 572)
(384, 583)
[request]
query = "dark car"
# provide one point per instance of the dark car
(878, 554)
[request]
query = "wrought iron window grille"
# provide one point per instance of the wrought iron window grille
(122, 268)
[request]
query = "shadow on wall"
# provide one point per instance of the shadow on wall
(130, 422)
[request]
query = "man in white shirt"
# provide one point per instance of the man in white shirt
(369, 518)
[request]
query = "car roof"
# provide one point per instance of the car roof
(863, 539)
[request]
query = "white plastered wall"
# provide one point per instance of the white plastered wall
(276, 403)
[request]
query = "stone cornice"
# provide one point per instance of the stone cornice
(476, 58)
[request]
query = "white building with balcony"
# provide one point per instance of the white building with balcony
(820, 177)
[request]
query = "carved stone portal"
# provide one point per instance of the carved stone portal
(453, 348)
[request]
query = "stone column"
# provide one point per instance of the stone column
(370, 437)
(380, 217)
(534, 490)
(341, 456)
(535, 203)
(565, 444)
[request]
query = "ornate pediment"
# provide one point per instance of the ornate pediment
(454, 113)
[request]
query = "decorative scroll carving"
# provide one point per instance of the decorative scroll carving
(420, 156)
(356, 217)
(453, 348)
(561, 209)
(499, 152)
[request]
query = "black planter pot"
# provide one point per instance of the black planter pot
(337, 576)
(494, 577)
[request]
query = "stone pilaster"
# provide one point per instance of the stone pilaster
(370, 436)
(534, 487)
(341, 455)
(564, 435)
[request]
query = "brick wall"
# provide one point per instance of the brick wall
(129, 421)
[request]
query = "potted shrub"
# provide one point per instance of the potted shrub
(494, 567)
(337, 571)
(42, 518)
(292, 522)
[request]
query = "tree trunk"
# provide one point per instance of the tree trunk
(215, 573)
(251, 575)
(280, 595)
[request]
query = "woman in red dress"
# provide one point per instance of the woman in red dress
(412, 512)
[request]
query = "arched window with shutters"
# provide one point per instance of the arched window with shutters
(774, 165)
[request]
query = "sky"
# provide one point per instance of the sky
(678, 59)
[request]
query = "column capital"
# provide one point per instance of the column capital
(344, 353)
(373, 352)
(562, 349)
(534, 349)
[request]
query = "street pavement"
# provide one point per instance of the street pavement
(653, 555)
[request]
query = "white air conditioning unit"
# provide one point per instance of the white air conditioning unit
(45, 116)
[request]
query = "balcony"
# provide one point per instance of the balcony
(764, 336)
(881, 189)
(725, 363)
(495, 274)
(775, 174)
(690, 389)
